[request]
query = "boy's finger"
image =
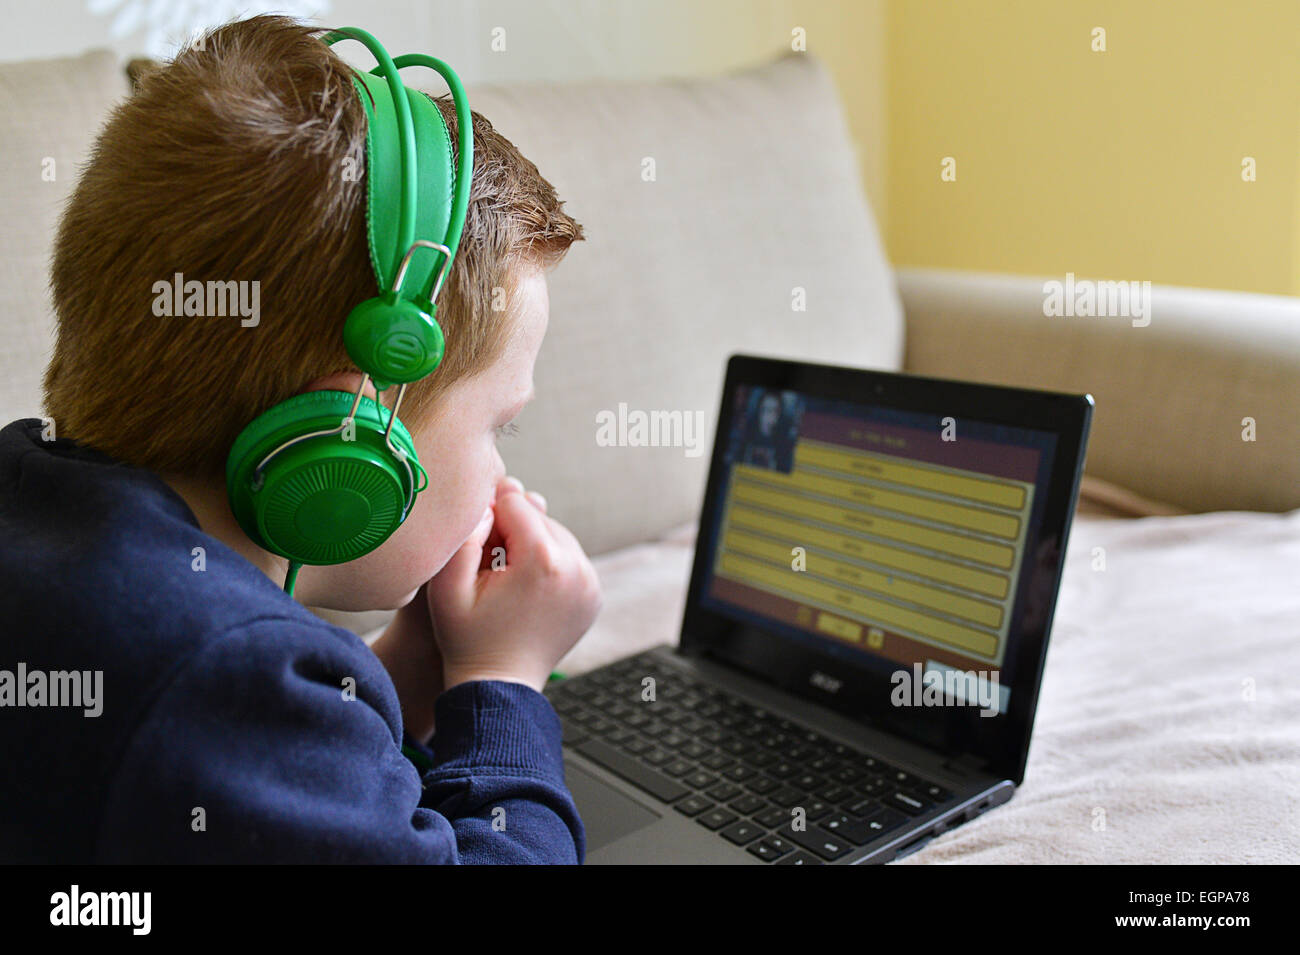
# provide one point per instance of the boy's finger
(508, 484)
(454, 584)
(521, 524)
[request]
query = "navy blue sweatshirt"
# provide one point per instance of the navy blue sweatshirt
(230, 724)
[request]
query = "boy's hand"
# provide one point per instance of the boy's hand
(409, 653)
(515, 622)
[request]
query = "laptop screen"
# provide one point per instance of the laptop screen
(889, 546)
(892, 540)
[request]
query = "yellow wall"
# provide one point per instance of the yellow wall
(1124, 164)
(702, 37)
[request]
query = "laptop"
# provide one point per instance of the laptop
(875, 574)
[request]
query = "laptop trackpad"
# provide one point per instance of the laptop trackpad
(606, 813)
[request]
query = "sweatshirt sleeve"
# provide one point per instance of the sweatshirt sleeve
(280, 741)
(499, 768)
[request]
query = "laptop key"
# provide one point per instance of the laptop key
(716, 818)
(874, 787)
(692, 805)
(762, 785)
(777, 842)
(573, 733)
(724, 791)
(678, 766)
(656, 756)
(736, 746)
(935, 792)
(741, 832)
(762, 759)
(816, 840)
(788, 796)
(848, 774)
(835, 823)
(748, 804)
(861, 831)
(907, 803)
(740, 772)
(699, 779)
(863, 806)
(836, 793)
(771, 818)
(643, 777)
(717, 761)
(766, 851)
(816, 809)
(801, 858)
(884, 821)
(656, 729)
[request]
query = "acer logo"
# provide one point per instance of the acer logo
(825, 682)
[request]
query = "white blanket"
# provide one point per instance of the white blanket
(1168, 728)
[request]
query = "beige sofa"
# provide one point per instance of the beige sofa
(1169, 727)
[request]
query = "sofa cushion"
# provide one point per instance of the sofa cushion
(756, 193)
(50, 111)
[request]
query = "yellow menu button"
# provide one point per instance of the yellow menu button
(839, 627)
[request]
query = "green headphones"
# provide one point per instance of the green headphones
(328, 476)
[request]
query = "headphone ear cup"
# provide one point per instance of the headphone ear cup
(325, 498)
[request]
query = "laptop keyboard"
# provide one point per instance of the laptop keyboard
(735, 768)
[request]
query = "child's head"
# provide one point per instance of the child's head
(243, 161)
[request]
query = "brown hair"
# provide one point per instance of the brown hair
(227, 164)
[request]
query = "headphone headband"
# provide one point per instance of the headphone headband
(403, 193)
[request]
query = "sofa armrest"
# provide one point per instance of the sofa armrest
(1171, 395)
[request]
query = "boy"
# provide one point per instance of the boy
(232, 724)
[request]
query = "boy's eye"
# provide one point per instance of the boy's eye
(507, 430)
